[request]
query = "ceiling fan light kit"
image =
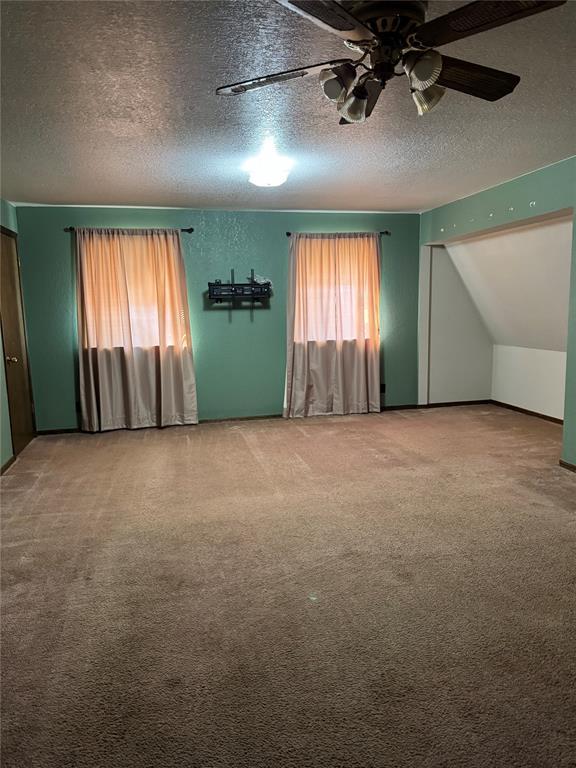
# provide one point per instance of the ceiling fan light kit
(336, 82)
(392, 34)
(423, 69)
(353, 107)
(427, 99)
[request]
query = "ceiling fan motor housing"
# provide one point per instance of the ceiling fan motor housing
(381, 16)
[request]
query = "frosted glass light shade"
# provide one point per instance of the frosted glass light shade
(423, 69)
(426, 100)
(353, 108)
(336, 82)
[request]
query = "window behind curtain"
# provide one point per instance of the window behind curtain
(135, 356)
(333, 350)
(134, 292)
(336, 288)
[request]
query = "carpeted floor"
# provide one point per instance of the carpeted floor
(384, 591)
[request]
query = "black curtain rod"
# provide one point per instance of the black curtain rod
(382, 232)
(184, 229)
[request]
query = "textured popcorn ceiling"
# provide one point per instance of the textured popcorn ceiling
(113, 103)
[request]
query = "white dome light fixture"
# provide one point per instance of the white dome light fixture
(268, 168)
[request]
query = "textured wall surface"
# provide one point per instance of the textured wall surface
(239, 355)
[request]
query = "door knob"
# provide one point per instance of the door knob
(11, 359)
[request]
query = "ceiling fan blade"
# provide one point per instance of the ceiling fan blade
(474, 18)
(278, 77)
(476, 80)
(332, 17)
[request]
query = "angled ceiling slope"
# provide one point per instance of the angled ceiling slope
(519, 280)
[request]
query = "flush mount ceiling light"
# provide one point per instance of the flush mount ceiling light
(394, 38)
(268, 168)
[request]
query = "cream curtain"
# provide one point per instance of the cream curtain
(333, 364)
(135, 346)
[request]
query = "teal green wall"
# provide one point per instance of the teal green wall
(239, 356)
(8, 216)
(539, 193)
(7, 220)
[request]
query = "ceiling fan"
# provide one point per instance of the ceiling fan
(393, 39)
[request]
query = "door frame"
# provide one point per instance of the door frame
(14, 236)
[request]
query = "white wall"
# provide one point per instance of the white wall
(517, 281)
(460, 362)
(520, 280)
(530, 378)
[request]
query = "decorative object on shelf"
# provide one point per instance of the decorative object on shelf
(256, 289)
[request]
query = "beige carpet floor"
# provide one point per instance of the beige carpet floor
(384, 591)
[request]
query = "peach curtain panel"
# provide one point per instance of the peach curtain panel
(135, 345)
(333, 364)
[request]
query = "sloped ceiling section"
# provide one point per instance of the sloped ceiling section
(520, 281)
